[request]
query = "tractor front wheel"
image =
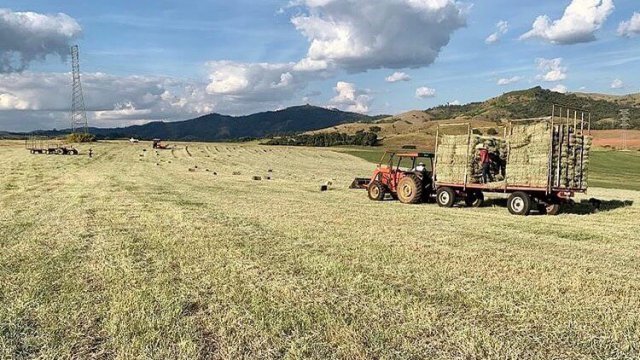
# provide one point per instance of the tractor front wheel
(446, 197)
(410, 190)
(376, 191)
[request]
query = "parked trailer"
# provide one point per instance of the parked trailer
(559, 173)
(37, 145)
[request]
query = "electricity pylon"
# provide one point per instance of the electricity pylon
(78, 111)
(624, 125)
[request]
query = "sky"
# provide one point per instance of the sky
(152, 60)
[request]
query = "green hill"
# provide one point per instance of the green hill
(537, 102)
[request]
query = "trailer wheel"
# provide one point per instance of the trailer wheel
(474, 199)
(446, 197)
(410, 189)
(552, 209)
(519, 203)
(376, 191)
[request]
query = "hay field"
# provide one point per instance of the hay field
(127, 256)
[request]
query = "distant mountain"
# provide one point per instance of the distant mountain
(222, 127)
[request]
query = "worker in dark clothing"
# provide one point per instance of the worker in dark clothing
(90, 152)
(485, 162)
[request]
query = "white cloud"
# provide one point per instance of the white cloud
(630, 27)
(29, 36)
(617, 84)
(398, 76)
(552, 69)
(353, 35)
(425, 92)
(256, 82)
(455, 103)
(108, 98)
(507, 81)
(359, 35)
(350, 98)
(579, 23)
(502, 28)
(559, 88)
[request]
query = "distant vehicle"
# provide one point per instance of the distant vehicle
(157, 144)
(134, 140)
(37, 145)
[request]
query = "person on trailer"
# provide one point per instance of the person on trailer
(485, 162)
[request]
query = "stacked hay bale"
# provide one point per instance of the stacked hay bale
(525, 153)
(570, 158)
(528, 158)
(453, 158)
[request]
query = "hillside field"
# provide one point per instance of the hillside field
(131, 255)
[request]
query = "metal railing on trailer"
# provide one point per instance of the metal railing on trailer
(560, 123)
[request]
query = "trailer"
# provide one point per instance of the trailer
(39, 145)
(545, 163)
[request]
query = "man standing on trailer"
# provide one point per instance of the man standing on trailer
(485, 162)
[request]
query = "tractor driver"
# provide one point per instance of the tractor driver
(421, 167)
(485, 162)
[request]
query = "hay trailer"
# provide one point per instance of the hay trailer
(541, 163)
(38, 145)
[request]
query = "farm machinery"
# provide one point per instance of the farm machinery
(404, 176)
(158, 145)
(37, 145)
(540, 163)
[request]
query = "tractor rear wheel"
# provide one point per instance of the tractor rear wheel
(410, 189)
(376, 191)
(474, 199)
(445, 197)
(519, 203)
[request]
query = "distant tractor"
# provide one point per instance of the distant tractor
(157, 144)
(404, 176)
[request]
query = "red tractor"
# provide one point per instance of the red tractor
(157, 144)
(405, 176)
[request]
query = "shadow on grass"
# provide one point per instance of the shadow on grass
(592, 206)
(584, 207)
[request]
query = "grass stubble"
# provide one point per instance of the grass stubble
(129, 256)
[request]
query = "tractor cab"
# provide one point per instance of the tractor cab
(406, 176)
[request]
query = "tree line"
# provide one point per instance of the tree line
(361, 138)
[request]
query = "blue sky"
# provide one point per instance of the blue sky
(195, 57)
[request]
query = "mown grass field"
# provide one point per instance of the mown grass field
(608, 169)
(130, 255)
